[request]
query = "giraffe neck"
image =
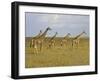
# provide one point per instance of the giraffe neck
(44, 34)
(53, 37)
(66, 36)
(78, 36)
(39, 34)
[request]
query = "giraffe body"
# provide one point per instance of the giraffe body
(64, 41)
(52, 41)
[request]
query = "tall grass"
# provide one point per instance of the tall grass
(57, 56)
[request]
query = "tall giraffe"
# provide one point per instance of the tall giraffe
(52, 41)
(64, 41)
(34, 42)
(34, 38)
(42, 37)
(76, 39)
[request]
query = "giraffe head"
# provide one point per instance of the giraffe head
(68, 34)
(40, 31)
(84, 32)
(48, 28)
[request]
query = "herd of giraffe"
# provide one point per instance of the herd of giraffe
(37, 41)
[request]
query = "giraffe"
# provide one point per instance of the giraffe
(34, 42)
(76, 39)
(64, 41)
(41, 38)
(52, 41)
(34, 38)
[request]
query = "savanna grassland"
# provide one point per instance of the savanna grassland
(57, 55)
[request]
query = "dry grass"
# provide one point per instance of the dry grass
(58, 56)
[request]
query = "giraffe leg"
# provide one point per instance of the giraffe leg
(30, 45)
(66, 44)
(36, 51)
(54, 45)
(61, 44)
(33, 50)
(77, 44)
(41, 46)
(49, 46)
(72, 44)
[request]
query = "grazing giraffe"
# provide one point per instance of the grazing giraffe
(52, 41)
(41, 38)
(76, 39)
(34, 42)
(64, 41)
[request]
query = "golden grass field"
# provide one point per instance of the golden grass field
(57, 56)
